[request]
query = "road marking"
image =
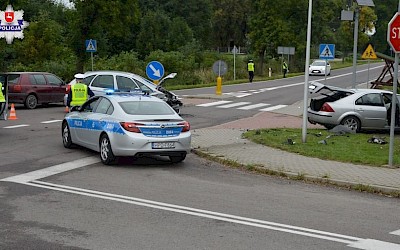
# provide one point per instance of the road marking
(18, 126)
(371, 244)
(273, 107)
(46, 172)
(31, 179)
(254, 106)
(213, 103)
(51, 121)
(233, 105)
(397, 232)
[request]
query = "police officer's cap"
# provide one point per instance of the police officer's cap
(79, 76)
(250, 60)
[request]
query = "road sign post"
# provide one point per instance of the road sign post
(393, 38)
(91, 46)
(326, 52)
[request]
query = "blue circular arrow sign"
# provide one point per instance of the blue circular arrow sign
(155, 70)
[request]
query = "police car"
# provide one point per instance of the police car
(127, 124)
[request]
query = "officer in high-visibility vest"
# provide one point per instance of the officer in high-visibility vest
(250, 69)
(79, 92)
(285, 68)
(2, 96)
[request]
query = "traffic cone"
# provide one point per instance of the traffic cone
(66, 109)
(13, 114)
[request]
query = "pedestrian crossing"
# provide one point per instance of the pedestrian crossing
(242, 105)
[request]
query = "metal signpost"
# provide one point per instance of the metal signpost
(234, 51)
(91, 46)
(286, 51)
(220, 68)
(393, 38)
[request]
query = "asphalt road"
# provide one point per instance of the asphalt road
(152, 204)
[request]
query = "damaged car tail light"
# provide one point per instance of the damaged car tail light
(327, 108)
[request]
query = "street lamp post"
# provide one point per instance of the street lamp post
(305, 100)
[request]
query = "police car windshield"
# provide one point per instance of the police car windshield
(146, 108)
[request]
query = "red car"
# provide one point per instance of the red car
(33, 88)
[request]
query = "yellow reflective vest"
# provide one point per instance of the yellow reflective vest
(79, 92)
(250, 66)
(2, 98)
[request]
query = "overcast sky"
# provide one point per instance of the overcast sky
(65, 2)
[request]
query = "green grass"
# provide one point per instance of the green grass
(353, 148)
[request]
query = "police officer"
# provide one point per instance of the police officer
(285, 68)
(250, 68)
(2, 97)
(78, 93)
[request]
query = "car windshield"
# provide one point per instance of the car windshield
(318, 63)
(146, 108)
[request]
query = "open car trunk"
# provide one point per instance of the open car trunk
(324, 93)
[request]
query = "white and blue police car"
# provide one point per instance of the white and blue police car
(127, 124)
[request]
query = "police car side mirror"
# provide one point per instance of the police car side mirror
(75, 108)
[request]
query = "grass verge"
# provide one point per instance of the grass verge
(320, 143)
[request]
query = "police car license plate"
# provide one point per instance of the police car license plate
(160, 145)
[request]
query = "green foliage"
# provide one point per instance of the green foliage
(125, 61)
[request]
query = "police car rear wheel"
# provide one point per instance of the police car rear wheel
(66, 135)
(106, 154)
(177, 158)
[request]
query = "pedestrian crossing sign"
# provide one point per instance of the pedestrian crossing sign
(369, 53)
(91, 45)
(327, 51)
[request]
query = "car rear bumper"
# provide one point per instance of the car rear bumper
(321, 118)
(132, 144)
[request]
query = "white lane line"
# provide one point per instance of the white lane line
(273, 107)
(254, 106)
(201, 213)
(51, 121)
(213, 103)
(397, 232)
(243, 95)
(18, 126)
(30, 179)
(46, 172)
(233, 105)
(302, 83)
(371, 244)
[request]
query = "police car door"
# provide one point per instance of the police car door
(97, 122)
(83, 122)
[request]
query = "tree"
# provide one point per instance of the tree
(229, 22)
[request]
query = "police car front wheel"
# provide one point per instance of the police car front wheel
(66, 135)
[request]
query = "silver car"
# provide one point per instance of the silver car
(100, 81)
(355, 108)
(127, 124)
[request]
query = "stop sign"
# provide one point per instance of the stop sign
(393, 34)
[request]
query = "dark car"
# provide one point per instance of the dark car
(33, 88)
